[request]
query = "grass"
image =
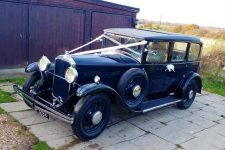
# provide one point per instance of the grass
(22, 130)
(223, 116)
(179, 146)
(2, 111)
(18, 80)
(214, 85)
(5, 97)
(41, 145)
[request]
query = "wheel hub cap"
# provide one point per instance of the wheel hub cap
(191, 94)
(97, 117)
(136, 90)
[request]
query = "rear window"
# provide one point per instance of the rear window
(194, 52)
(179, 51)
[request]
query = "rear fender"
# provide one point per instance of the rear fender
(191, 76)
(93, 88)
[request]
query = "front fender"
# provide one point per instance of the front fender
(93, 88)
(33, 67)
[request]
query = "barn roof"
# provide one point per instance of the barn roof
(152, 34)
(112, 5)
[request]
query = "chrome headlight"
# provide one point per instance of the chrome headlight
(43, 63)
(71, 75)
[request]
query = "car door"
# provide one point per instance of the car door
(178, 61)
(156, 66)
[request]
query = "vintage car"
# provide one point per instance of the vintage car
(139, 70)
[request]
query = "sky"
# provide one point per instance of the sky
(201, 12)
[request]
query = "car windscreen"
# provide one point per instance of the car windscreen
(111, 40)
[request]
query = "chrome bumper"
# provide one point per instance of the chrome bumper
(43, 108)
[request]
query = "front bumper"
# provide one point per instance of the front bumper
(37, 105)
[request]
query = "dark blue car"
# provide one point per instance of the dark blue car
(138, 70)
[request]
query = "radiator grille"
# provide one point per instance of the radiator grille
(60, 86)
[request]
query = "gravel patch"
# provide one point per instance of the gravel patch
(14, 136)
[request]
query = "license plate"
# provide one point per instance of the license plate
(43, 114)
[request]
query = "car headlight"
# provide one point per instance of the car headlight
(71, 75)
(43, 63)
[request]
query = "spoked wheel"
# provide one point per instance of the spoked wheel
(32, 83)
(92, 114)
(189, 96)
(133, 87)
(133, 91)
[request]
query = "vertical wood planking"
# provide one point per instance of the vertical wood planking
(54, 30)
(31, 28)
(13, 34)
(101, 21)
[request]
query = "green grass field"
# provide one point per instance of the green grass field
(2, 111)
(214, 86)
(18, 80)
(41, 145)
(5, 97)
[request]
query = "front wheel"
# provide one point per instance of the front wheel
(92, 114)
(31, 83)
(189, 96)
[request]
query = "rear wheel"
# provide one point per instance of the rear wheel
(189, 96)
(31, 84)
(92, 114)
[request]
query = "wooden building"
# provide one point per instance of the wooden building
(32, 28)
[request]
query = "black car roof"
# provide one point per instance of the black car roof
(152, 35)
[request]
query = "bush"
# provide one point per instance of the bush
(190, 27)
(213, 61)
(212, 69)
(177, 29)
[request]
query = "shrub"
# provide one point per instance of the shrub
(190, 27)
(213, 61)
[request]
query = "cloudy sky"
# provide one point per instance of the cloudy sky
(201, 12)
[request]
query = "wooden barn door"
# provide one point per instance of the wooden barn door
(54, 30)
(101, 21)
(13, 34)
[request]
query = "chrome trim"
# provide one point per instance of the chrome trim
(68, 59)
(75, 74)
(62, 78)
(97, 118)
(136, 91)
(53, 115)
(43, 107)
(56, 75)
(48, 62)
(45, 101)
(160, 106)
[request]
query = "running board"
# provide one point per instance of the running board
(157, 103)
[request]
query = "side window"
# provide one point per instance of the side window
(194, 52)
(179, 51)
(157, 52)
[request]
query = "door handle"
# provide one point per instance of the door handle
(170, 68)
